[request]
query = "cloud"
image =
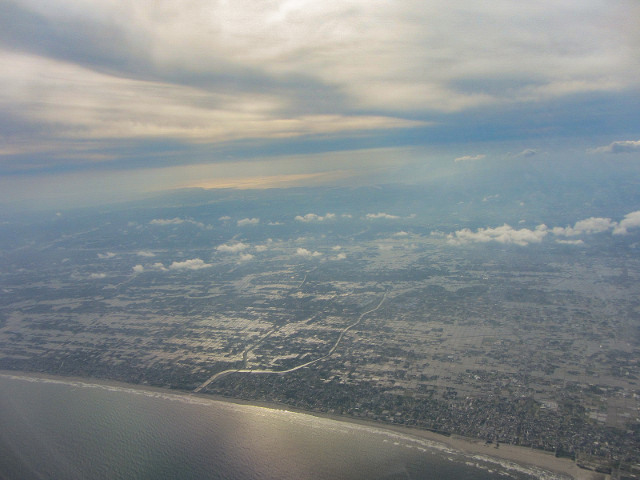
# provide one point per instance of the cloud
(277, 72)
(167, 221)
(504, 234)
(303, 252)
(340, 256)
(91, 106)
(529, 152)
(630, 220)
(375, 216)
(570, 242)
(232, 247)
(336, 248)
(589, 225)
(245, 257)
(175, 221)
(622, 146)
(507, 234)
(261, 248)
(248, 221)
(467, 158)
(401, 233)
(224, 218)
(312, 217)
(106, 255)
(145, 253)
(97, 276)
(156, 266)
(296, 77)
(193, 264)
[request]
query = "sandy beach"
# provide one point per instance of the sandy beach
(516, 454)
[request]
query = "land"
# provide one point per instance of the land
(370, 317)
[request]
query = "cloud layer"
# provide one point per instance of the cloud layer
(104, 81)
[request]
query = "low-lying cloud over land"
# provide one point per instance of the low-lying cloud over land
(312, 217)
(622, 146)
(381, 215)
(508, 235)
(192, 264)
(467, 158)
(232, 247)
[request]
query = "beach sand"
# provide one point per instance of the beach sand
(516, 454)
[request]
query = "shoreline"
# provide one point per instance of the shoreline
(523, 456)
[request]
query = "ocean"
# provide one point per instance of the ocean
(69, 429)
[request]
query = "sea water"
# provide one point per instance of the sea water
(60, 428)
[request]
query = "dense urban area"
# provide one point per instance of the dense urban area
(366, 314)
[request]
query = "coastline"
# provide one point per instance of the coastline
(516, 454)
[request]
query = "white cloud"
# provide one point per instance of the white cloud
(401, 233)
(193, 264)
(156, 266)
(232, 247)
(312, 217)
(336, 248)
(504, 234)
(340, 256)
(508, 234)
(589, 225)
(245, 257)
(630, 220)
(97, 276)
(346, 215)
(261, 248)
(224, 218)
(145, 253)
(622, 146)
(106, 255)
(467, 158)
(303, 252)
(248, 221)
(175, 221)
(570, 242)
(374, 216)
(166, 221)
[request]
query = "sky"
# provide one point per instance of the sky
(108, 99)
